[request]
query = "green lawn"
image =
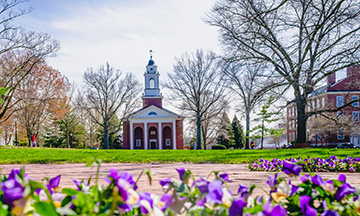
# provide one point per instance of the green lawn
(27, 155)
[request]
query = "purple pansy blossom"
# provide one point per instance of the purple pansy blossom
(12, 190)
(181, 172)
(165, 182)
(146, 203)
(277, 210)
(53, 183)
(291, 169)
(225, 177)
(343, 191)
(342, 178)
(168, 200)
(202, 185)
(329, 213)
(272, 182)
(243, 191)
(124, 175)
(317, 180)
(237, 207)
(306, 209)
(215, 192)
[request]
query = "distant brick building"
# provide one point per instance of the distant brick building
(333, 94)
(153, 127)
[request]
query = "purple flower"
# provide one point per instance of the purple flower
(124, 175)
(202, 185)
(243, 191)
(237, 207)
(343, 191)
(181, 172)
(165, 182)
(352, 169)
(145, 198)
(329, 213)
(272, 182)
(168, 200)
(215, 192)
(278, 210)
(342, 178)
(124, 208)
(317, 180)
(305, 178)
(12, 190)
(53, 183)
(305, 207)
(291, 169)
(225, 177)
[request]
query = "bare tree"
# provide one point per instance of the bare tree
(20, 51)
(41, 95)
(107, 94)
(250, 83)
(304, 41)
(196, 81)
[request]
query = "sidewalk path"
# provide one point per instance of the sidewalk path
(237, 172)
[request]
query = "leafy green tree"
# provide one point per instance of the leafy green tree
(265, 117)
(237, 133)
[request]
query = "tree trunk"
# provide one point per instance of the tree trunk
(262, 134)
(198, 130)
(106, 136)
(301, 118)
(67, 138)
(247, 143)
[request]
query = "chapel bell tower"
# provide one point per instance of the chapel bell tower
(152, 95)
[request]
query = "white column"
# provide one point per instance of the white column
(146, 136)
(160, 136)
(131, 136)
(174, 134)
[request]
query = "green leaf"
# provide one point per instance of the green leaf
(35, 185)
(45, 209)
(255, 209)
(65, 211)
(148, 173)
(69, 191)
(180, 186)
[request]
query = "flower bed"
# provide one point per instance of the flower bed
(332, 164)
(22, 195)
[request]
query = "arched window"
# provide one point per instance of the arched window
(152, 83)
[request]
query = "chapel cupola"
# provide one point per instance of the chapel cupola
(152, 95)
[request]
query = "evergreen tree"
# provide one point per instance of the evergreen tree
(224, 132)
(237, 133)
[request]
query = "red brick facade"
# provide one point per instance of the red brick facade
(329, 96)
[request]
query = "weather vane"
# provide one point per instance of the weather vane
(151, 53)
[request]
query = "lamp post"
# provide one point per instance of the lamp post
(16, 142)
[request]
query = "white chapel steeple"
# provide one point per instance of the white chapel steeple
(152, 95)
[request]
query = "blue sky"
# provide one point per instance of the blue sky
(121, 32)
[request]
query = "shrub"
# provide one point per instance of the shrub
(218, 147)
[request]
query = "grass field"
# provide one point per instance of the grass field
(27, 155)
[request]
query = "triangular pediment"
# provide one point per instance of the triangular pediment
(153, 112)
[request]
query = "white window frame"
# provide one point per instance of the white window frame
(138, 142)
(355, 116)
(355, 104)
(167, 142)
(323, 102)
(339, 101)
(340, 135)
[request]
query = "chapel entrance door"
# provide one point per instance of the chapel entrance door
(153, 144)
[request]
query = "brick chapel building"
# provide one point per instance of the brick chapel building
(152, 126)
(332, 95)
